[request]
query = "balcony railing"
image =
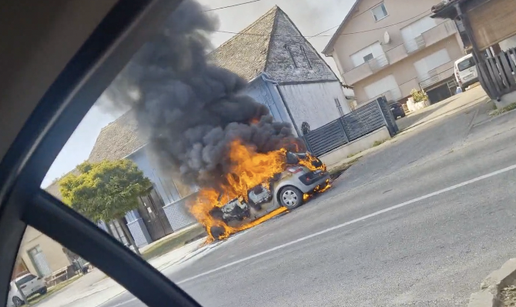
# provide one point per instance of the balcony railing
(400, 52)
(436, 75)
(366, 69)
(439, 32)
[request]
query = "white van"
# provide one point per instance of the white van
(15, 298)
(465, 70)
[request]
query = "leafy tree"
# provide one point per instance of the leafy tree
(105, 191)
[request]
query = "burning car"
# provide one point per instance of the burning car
(304, 175)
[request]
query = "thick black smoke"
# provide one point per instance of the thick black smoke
(190, 109)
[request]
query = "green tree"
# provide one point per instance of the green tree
(105, 191)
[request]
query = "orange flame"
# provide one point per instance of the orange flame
(248, 169)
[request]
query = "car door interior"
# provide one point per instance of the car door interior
(22, 202)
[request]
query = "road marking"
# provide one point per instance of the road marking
(360, 219)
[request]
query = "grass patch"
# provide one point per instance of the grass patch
(508, 108)
(353, 154)
(52, 290)
(378, 143)
(174, 241)
(336, 171)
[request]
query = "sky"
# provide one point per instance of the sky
(312, 17)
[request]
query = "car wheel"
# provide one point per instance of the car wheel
(17, 301)
(217, 232)
(43, 291)
(290, 197)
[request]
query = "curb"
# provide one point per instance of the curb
(492, 286)
(493, 118)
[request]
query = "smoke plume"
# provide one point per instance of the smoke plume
(190, 109)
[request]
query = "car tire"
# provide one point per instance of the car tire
(43, 291)
(217, 231)
(17, 301)
(290, 197)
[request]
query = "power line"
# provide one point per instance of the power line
(325, 31)
(379, 28)
(320, 33)
(232, 5)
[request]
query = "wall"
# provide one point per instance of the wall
(337, 156)
(165, 189)
(405, 72)
(362, 19)
(508, 43)
(264, 91)
(178, 215)
(314, 102)
(52, 250)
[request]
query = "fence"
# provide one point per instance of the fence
(354, 125)
(496, 73)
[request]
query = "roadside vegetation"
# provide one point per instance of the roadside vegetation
(378, 143)
(508, 108)
(52, 290)
(174, 241)
(336, 171)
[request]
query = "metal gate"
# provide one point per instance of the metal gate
(362, 121)
(151, 211)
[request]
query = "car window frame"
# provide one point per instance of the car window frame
(128, 25)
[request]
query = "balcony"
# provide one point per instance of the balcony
(439, 32)
(366, 69)
(432, 36)
(400, 52)
(436, 75)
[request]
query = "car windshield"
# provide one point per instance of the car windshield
(24, 279)
(248, 153)
(470, 62)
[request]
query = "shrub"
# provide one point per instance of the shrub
(418, 95)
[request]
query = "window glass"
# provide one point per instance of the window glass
(466, 64)
(379, 12)
(368, 57)
(71, 281)
(197, 159)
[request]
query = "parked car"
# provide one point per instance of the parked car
(31, 284)
(14, 298)
(397, 110)
(465, 70)
(286, 189)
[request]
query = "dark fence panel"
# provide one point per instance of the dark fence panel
(351, 126)
(496, 73)
(326, 138)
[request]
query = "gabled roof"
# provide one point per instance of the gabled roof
(246, 53)
(117, 140)
(329, 47)
(274, 45)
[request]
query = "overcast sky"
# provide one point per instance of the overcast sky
(310, 16)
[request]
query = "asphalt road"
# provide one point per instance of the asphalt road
(418, 223)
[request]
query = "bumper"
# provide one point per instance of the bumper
(470, 82)
(320, 180)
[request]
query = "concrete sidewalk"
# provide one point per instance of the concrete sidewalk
(446, 107)
(95, 288)
(475, 98)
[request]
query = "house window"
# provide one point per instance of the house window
(374, 51)
(379, 12)
(368, 57)
(339, 107)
